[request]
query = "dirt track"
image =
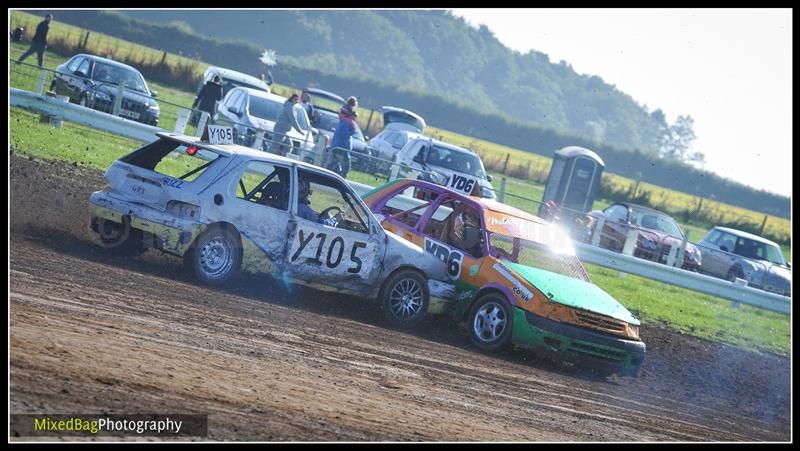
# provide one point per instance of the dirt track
(93, 333)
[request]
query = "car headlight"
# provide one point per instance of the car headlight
(153, 107)
(487, 192)
(102, 95)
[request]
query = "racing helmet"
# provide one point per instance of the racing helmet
(466, 229)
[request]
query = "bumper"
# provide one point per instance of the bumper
(170, 234)
(577, 345)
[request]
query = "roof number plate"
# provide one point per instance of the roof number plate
(462, 184)
(220, 135)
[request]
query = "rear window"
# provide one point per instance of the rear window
(265, 109)
(172, 158)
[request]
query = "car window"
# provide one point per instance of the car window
(301, 116)
(713, 236)
(327, 120)
(240, 100)
(172, 158)
(653, 221)
(399, 140)
(118, 75)
(408, 206)
(264, 108)
(83, 69)
(449, 222)
(328, 197)
(463, 162)
(265, 184)
(727, 241)
(73, 65)
(775, 255)
(233, 100)
(617, 212)
(536, 255)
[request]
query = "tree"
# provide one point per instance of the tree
(678, 139)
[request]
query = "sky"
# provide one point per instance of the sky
(729, 69)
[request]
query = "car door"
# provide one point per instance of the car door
(346, 253)
(260, 210)
(615, 228)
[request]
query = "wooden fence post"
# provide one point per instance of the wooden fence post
(505, 165)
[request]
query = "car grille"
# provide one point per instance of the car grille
(595, 321)
(597, 351)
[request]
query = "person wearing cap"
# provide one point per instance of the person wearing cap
(286, 122)
(39, 42)
(208, 97)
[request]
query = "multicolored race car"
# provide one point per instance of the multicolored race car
(517, 279)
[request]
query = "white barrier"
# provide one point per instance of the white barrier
(656, 271)
(685, 279)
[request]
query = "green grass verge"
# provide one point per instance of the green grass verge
(653, 302)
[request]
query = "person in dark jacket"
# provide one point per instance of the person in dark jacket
(39, 42)
(342, 142)
(208, 97)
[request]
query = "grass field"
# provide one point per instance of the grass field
(653, 302)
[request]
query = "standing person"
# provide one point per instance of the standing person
(342, 142)
(208, 97)
(286, 121)
(306, 104)
(39, 42)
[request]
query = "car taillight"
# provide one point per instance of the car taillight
(191, 150)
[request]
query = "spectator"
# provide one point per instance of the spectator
(342, 142)
(209, 95)
(17, 34)
(267, 78)
(39, 42)
(306, 104)
(285, 123)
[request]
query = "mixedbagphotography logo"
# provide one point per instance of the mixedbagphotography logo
(140, 425)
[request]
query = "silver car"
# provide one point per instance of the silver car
(225, 208)
(733, 254)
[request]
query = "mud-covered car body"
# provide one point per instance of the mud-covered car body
(526, 263)
(249, 199)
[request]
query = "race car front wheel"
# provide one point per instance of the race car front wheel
(215, 256)
(490, 322)
(404, 299)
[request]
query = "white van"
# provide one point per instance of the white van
(399, 126)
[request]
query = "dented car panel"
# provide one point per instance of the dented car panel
(554, 306)
(254, 195)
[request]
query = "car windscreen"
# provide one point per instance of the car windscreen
(264, 109)
(463, 162)
(536, 255)
(759, 251)
(107, 73)
(654, 221)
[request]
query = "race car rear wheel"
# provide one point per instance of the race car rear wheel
(215, 256)
(490, 322)
(119, 238)
(404, 299)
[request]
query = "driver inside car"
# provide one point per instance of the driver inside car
(304, 209)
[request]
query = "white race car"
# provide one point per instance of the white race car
(225, 207)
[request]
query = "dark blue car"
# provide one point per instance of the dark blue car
(94, 82)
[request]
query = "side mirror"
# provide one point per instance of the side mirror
(233, 110)
(153, 93)
(723, 248)
(788, 264)
(489, 177)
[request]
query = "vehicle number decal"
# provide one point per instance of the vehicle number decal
(518, 288)
(175, 183)
(220, 135)
(331, 257)
(452, 257)
(461, 183)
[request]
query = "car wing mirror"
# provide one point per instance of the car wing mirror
(489, 177)
(153, 93)
(723, 248)
(233, 110)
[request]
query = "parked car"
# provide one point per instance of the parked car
(230, 79)
(516, 276)
(326, 118)
(399, 126)
(444, 164)
(225, 208)
(252, 113)
(93, 82)
(732, 254)
(657, 232)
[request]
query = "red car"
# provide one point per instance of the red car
(657, 232)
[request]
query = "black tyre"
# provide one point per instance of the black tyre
(215, 256)
(490, 322)
(121, 239)
(404, 299)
